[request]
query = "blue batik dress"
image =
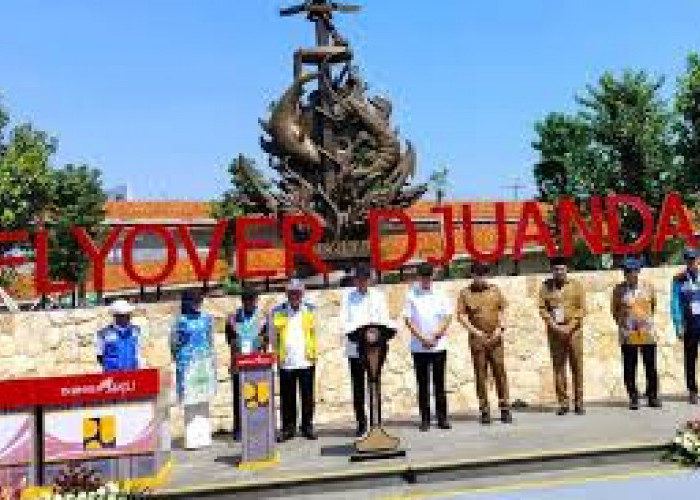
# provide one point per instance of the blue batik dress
(193, 350)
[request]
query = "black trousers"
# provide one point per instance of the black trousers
(358, 378)
(424, 363)
(690, 355)
(630, 356)
(236, 382)
(290, 380)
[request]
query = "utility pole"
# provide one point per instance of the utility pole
(516, 187)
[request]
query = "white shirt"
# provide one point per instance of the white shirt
(295, 343)
(358, 309)
(426, 309)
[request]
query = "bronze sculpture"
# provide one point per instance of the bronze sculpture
(336, 152)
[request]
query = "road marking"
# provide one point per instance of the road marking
(527, 485)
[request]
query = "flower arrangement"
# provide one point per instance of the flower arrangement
(685, 447)
(78, 482)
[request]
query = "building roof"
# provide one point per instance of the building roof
(124, 212)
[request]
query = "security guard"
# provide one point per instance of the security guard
(118, 344)
(562, 307)
(480, 309)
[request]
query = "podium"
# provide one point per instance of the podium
(373, 343)
(257, 404)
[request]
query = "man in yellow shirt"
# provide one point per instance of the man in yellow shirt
(633, 306)
(294, 324)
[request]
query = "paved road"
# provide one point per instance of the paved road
(531, 432)
(650, 481)
(647, 485)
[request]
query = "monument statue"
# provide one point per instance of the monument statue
(335, 150)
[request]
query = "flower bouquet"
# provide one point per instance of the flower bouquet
(685, 447)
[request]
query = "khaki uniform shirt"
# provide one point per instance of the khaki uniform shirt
(633, 310)
(482, 306)
(565, 305)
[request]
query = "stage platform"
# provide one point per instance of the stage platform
(537, 440)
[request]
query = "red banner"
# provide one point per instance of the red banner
(75, 390)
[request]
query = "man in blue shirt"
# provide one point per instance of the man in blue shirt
(685, 311)
(118, 344)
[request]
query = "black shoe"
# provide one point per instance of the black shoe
(506, 416)
(654, 402)
(309, 434)
(424, 426)
(285, 436)
(578, 410)
(563, 410)
(634, 404)
(485, 418)
(444, 424)
(361, 430)
(693, 398)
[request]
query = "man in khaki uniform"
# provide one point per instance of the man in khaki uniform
(562, 307)
(479, 309)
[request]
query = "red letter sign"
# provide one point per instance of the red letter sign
(128, 251)
(567, 213)
(449, 225)
(469, 244)
(303, 248)
(375, 217)
(673, 207)
(96, 255)
(643, 240)
(531, 210)
(243, 244)
(203, 273)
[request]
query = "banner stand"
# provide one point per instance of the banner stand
(258, 416)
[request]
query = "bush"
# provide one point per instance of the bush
(231, 286)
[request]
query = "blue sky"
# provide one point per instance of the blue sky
(160, 94)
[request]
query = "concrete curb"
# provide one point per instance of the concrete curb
(423, 472)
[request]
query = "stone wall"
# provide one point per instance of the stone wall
(61, 342)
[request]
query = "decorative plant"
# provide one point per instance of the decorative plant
(685, 447)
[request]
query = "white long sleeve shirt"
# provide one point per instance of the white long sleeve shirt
(358, 309)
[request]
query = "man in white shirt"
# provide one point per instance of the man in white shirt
(427, 315)
(360, 306)
(294, 324)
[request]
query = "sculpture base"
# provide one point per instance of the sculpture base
(377, 444)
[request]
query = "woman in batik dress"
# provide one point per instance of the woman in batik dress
(192, 346)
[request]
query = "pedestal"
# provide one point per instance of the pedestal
(257, 381)
(373, 344)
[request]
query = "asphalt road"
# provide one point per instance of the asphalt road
(640, 481)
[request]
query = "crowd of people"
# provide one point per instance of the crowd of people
(290, 330)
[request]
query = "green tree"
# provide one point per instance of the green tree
(569, 164)
(78, 200)
(687, 105)
(239, 199)
(25, 179)
(619, 141)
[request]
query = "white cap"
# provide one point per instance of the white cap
(295, 285)
(121, 307)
